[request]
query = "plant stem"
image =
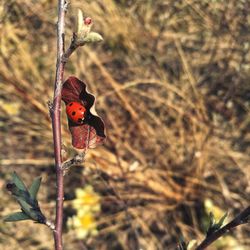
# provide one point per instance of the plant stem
(56, 124)
(73, 46)
(242, 218)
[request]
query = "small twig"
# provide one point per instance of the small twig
(76, 160)
(242, 218)
(72, 47)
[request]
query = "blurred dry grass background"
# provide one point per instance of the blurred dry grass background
(172, 80)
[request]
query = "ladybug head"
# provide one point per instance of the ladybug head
(76, 112)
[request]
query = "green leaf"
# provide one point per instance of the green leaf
(212, 220)
(27, 209)
(19, 193)
(213, 226)
(26, 199)
(16, 217)
(79, 21)
(33, 190)
(221, 221)
(93, 37)
(18, 182)
(34, 213)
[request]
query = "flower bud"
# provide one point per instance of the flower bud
(87, 20)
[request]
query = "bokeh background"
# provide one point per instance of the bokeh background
(172, 80)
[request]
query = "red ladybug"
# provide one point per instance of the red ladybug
(76, 112)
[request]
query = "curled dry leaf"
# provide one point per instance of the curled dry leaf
(92, 131)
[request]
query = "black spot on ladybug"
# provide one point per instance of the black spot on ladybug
(80, 120)
(71, 104)
(73, 113)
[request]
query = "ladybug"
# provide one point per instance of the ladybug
(76, 112)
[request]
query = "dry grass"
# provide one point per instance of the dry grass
(172, 84)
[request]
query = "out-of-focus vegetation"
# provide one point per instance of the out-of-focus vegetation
(172, 80)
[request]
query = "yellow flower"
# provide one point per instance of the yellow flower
(84, 225)
(87, 203)
(10, 108)
(86, 200)
(217, 211)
